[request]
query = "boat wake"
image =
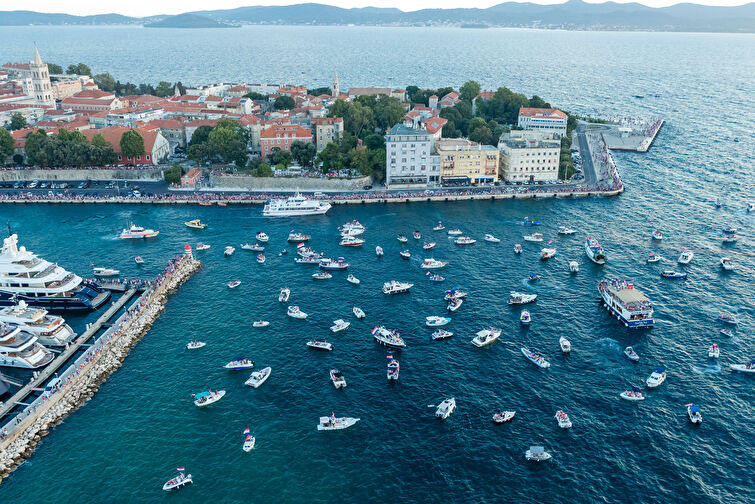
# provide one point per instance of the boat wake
(610, 344)
(707, 370)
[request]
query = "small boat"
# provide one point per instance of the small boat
(396, 287)
(429, 246)
(330, 265)
(537, 454)
(657, 377)
(528, 222)
(574, 266)
(565, 344)
(195, 224)
(314, 259)
(547, 253)
(439, 227)
(253, 248)
(727, 332)
(393, 368)
(535, 357)
(433, 264)
(352, 279)
(240, 363)
(284, 294)
(229, 250)
(351, 241)
(402, 239)
(193, 345)
(249, 441)
(222, 204)
(657, 235)
(727, 264)
(454, 304)
(718, 203)
(440, 334)
(465, 240)
(503, 416)
(534, 237)
(339, 325)
(260, 323)
(202, 246)
(105, 272)
(714, 351)
(454, 293)
(434, 321)
(202, 399)
(354, 225)
(262, 237)
(322, 275)
(320, 345)
(525, 318)
(379, 251)
(358, 313)
(178, 482)
(261, 259)
(694, 414)
(486, 337)
(744, 368)
(729, 230)
(730, 238)
(521, 298)
(750, 207)
(492, 239)
(295, 312)
(654, 258)
(631, 354)
(257, 378)
(728, 318)
(445, 408)
(333, 423)
(388, 337)
(233, 284)
(205, 203)
(563, 419)
(405, 254)
(632, 395)
(454, 232)
(685, 257)
(673, 274)
(566, 230)
(138, 260)
(417, 235)
(298, 237)
(594, 251)
(517, 248)
(434, 278)
(533, 277)
(337, 378)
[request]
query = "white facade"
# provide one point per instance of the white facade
(409, 157)
(544, 120)
(40, 81)
(529, 156)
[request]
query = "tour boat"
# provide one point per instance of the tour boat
(202, 399)
(626, 303)
(594, 251)
(454, 232)
(727, 264)
(445, 408)
(654, 258)
(486, 337)
(253, 248)
(465, 240)
(249, 441)
(402, 239)
(320, 345)
(322, 275)
(240, 363)
(517, 248)
(105, 272)
(563, 419)
(337, 378)
(439, 227)
(491, 239)
(298, 237)
(547, 253)
(257, 378)
(454, 294)
(358, 313)
(534, 237)
(574, 266)
(535, 357)
(537, 454)
(565, 230)
(261, 259)
(396, 287)
(673, 274)
(714, 351)
(284, 294)
(393, 368)
(657, 377)
(202, 246)
(229, 250)
(631, 354)
(379, 251)
(134, 232)
(454, 304)
(233, 284)
(193, 345)
(416, 235)
(294, 206)
(503, 416)
(20, 349)
(441, 334)
(295, 312)
(429, 246)
(525, 318)
(565, 344)
(351, 241)
(694, 414)
(262, 237)
(178, 482)
(728, 318)
(138, 260)
(333, 423)
(434, 321)
(333, 265)
(685, 257)
(657, 235)
(260, 323)
(49, 329)
(727, 333)
(632, 395)
(388, 337)
(433, 264)
(339, 325)
(352, 279)
(195, 224)
(521, 298)
(405, 254)
(744, 368)
(434, 278)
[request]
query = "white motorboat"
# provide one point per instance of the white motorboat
(685, 257)
(594, 251)
(249, 442)
(351, 241)
(49, 329)
(352, 279)
(525, 318)
(21, 349)
(193, 345)
(260, 323)
(492, 239)
(657, 235)
(401, 238)
(229, 250)
(351, 232)
(730, 238)
(295, 312)
(240, 363)
(563, 419)
(257, 378)
(657, 377)
(728, 318)
(333, 423)
(358, 313)
(294, 206)
(284, 294)
(486, 337)
(694, 414)
(727, 332)
(454, 304)
(233, 284)
(454, 232)
(202, 399)
(433, 264)
(714, 351)
(727, 263)
(521, 298)
(537, 454)
(439, 227)
(565, 230)
(354, 225)
(440, 334)
(337, 378)
(339, 325)
(396, 287)
(253, 248)
(328, 264)
(454, 293)
(303, 251)
(298, 237)
(105, 272)
(262, 237)
(465, 240)
(434, 321)
(322, 275)
(503, 416)
(393, 369)
(388, 337)
(534, 237)
(139, 260)
(179, 481)
(137, 232)
(654, 258)
(202, 246)
(565, 344)
(517, 248)
(379, 251)
(574, 266)
(417, 235)
(631, 354)
(428, 246)
(445, 408)
(405, 254)
(547, 253)
(744, 368)
(673, 274)
(535, 357)
(435, 277)
(632, 395)
(320, 345)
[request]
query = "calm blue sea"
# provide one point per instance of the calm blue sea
(141, 425)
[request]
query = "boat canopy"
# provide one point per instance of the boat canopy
(200, 395)
(537, 449)
(695, 409)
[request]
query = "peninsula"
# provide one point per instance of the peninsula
(188, 21)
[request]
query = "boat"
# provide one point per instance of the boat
(565, 230)
(358, 313)
(503, 416)
(105, 272)
(454, 232)
(626, 303)
(533, 277)
(138, 260)
(195, 224)
(233, 284)
(284, 294)
(521, 298)
(727, 264)
(282, 252)
(49, 329)
(673, 274)
(428, 246)
(222, 204)
(393, 369)
(339, 325)
(517, 248)
(574, 266)
(454, 293)
(729, 230)
(714, 351)
(229, 250)
(379, 251)
(333, 423)
(257, 378)
(535, 357)
(202, 246)
(20, 349)
(202, 399)
(417, 235)
(565, 344)
(193, 345)
(454, 304)
(631, 354)
(654, 258)
(322, 275)
(396, 287)
(728, 318)
(485, 337)
(527, 222)
(205, 203)
(657, 377)
(434, 321)
(594, 251)
(354, 225)
(744, 368)
(337, 378)
(718, 203)
(298, 237)
(537, 454)
(303, 251)
(240, 363)
(405, 254)
(296, 205)
(524, 318)
(534, 237)
(657, 235)
(547, 253)
(730, 238)
(261, 259)
(633, 395)
(333, 265)
(388, 337)
(445, 408)
(136, 232)
(433, 264)
(352, 279)
(351, 241)
(439, 227)
(178, 482)
(694, 414)
(260, 323)
(402, 239)
(563, 419)
(253, 248)
(320, 345)
(313, 259)
(727, 332)
(441, 334)
(295, 312)
(262, 237)
(685, 257)
(249, 441)
(491, 239)
(24, 276)
(750, 207)
(434, 278)
(465, 240)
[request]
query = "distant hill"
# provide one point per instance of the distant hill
(572, 15)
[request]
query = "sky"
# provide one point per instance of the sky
(151, 7)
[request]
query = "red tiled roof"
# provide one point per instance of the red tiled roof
(18, 66)
(435, 124)
(238, 89)
(93, 93)
(113, 136)
(202, 122)
(541, 112)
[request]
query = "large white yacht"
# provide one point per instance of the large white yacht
(20, 349)
(294, 205)
(50, 329)
(26, 277)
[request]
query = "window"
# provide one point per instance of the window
(147, 157)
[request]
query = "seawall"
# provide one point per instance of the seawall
(248, 183)
(74, 174)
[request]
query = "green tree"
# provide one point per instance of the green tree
(374, 141)
(264, 170)
(482, 135)
(173, 174)
(17, 121)
(7, 144)
(359, 159)
(199, 152)
(99, 141)
(18, 159)
(105, 81)
(229, 140)
(200, 135)
(164, 89)
(450, 131)
(387, 112)
(329, 158)
(80, 69)
(284, 103)
(303, 152)
(320, 91)
(255, 96)
(54, 69)
(279, 157)
(469, 91)
(132, 144)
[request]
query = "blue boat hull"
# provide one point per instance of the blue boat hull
(84, 300)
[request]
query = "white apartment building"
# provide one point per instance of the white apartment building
(545, 120)
(409, 157)
(529, 156)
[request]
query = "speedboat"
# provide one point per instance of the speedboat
(352, 279)
(261, 259)
(441, 334)
(262, 237)
(445, 408)
(574, 266)
(434, 278)
(537, 454)
(136, 232)
(388, 337)
(694, 414)
(718, 203)
(433, 264)
(313, 259)
(319, 345)
(393, 368)
(563, 419)
(486, 337)
(351, 241)
(298, 237)
(260, 323)
(521, 298)
(405, 254)
(714, 351)
(351, 232)
(727, 264)
(240, 363)
(654, 258)
(253, 248)
(744, 368)
(454, 293)
(632, 395)
(322, 275)
(337, 378)
(233, 284)
(333, 423)
(257, 378)
(454, 232)
(673, 274)
(396, 287)
(454, 304)
(525, 318)
(728, 318)
(249, 441)
(193, 345)
(534, 237)
(331, 265)
(202, 246)
(727, 332)
(402, 239)
(657, 377)
(138, 260)
(105, 272)
(358, 313)
(517, 248)
(416, 235)
(178, 482)
(429, 246)
(565, 230)
(379, 251)
(631, 354)
(354, 225)
(547, 253)
(685, 257)
(729, 230)
(284, 294)
(750, 207)
(195, 224)
(533, 277)
(229, 250)
(295, 312)
(492, 239)
(503, 416)
(202, 399)
(339, 325)
(528, 222)
(465, 240)
(439, 227)
(657, 235)
(434, 321)
(594, 251)
(535, 357)
(565, 344)
(730, 238)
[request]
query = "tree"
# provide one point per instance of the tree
(17, 121)
(80, 69)
(284, 103)
(329, 157)
(279, 157)
(303, 152)
(374, 141)
(54, 69)
(99, 141)
(7, 143)
(18, 159)
(359, 159)
(481, 135)
(200, 135)
(181, 88)
(255, 96)
(173, 174)
(320, 91)
(450, 131)
(264, 170)
(469, 91)
(132, 144)
(105, 81)
(229, 140)
(164, 89)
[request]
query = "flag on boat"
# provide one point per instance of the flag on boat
(427, 273)
(550, 241)
(180, 469)
(374, 330)
(690, 404)
(389, 356)
(301, 245)
(630, 285)
(332, 415)
(246, 431)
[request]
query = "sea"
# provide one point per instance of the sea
(124, 443)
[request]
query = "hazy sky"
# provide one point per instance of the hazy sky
(151, 7)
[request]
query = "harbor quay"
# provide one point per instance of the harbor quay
(81, 379)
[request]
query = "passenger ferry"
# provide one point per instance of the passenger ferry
(26, 277)
(50, 329)
(294, 206)
(21, 350)
(629, 305)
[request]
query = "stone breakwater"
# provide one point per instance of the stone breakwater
(82, 379)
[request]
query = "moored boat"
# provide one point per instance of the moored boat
(631, 354)
(240, 363)
(402, 239)
(694, 414)
(728, 318)
(351, 241)
(744, 368)
(322, 275)
(393, 369)
(454, 304)
(454, 232)
(657, 377)
(465, 240)
(574, 266)
(486, 337)
(339, 325)
(439, 227)
(337, 378)
(49, 329)
(257, 378)
(594, 251)
(537, 454)
(178, 482)
(685, 257)
(673, 274)
(445, 408)
(294, 206)
(229, 250)
(105, 272)
(417, 235)
(547, 253)
(358, 312)
(434, 277)
(262, 237)
(517, 248)
(441, 334)
(388, 337)
(379, 251)
(633, 395)
(714, 351)
(535, 357)
(503, 416)
(333, 423)
(653, 258)
(534, 237)
(396, 287)
(249, 441)
(521, 298)
(565, 344)
(260, 323)
(433, 264)
(434, 321)
(195, 224)
(524, 318)
(193, 345)
(233, 284)
(202, 399)
(252, 248)
(320, 345)
(284, 294)
(328, 264)
(428, 246)
(295, 312)
(491, 239)
(565, 230)
(405, 254)
(297, 237)
(352, 279)
(657, 235)
(138, 260)
(727, 263)
(202, 246)
(563, 419)
(21, 349)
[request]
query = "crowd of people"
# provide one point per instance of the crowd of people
(602, 160)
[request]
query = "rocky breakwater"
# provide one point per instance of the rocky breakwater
(81, 380)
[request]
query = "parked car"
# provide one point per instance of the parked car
(367, 187)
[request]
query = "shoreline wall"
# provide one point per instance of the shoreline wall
(285, 183)
(149, 174)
